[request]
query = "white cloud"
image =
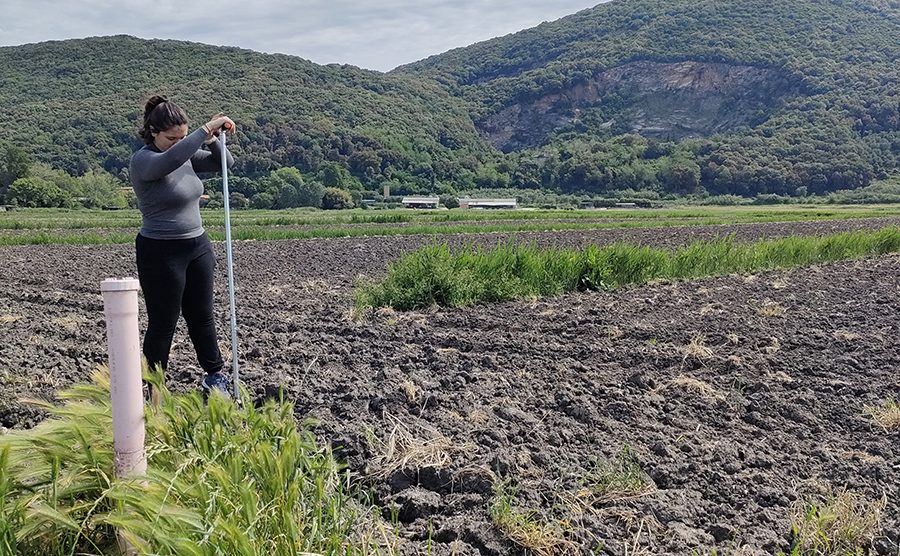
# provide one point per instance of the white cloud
(378, 35)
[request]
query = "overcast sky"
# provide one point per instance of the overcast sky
(377, 35)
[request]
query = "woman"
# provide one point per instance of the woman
(175, 259)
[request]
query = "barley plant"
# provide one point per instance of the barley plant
(222, 479)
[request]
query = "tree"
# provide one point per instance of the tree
(244, 185)
(99, 189)
(680, 175)
(286, 196)
(310, 193)
(59, 178)
(333, 174)
(335, 198)
(288, 189)
(238, 200)
(365, 162)
(450, 201)
(37, 192)
(14, 164)
(262, 200)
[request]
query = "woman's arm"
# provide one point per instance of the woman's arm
(211, 160)
(149, 165)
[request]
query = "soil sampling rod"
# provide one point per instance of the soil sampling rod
(230, 261)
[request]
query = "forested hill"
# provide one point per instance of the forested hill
(802, 92)
(77, 104)
(655, 97)
(845, 47)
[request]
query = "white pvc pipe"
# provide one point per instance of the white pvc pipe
(230, 261)
(120, 305)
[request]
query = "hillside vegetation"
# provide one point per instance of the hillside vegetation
(77, 104)
(649, 98)
(780, 95)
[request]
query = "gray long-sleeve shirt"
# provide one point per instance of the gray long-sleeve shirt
(167, 187)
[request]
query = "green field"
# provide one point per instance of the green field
(87, 227)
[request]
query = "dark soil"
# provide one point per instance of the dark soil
(739, 396)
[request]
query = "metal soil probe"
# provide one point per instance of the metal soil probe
(234, 349)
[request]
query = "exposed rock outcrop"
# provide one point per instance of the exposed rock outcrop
(665, 100)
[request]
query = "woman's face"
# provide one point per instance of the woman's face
(165, 139)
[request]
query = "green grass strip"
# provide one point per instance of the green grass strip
(61, 219)
(222, 479)
(266, 232)
(436, 274)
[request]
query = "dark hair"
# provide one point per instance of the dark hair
(160, 114)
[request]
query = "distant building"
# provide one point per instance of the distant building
(466, 203)
(421, 202)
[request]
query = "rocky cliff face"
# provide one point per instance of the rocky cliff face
(664, 100)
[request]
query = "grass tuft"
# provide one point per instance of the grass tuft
(887, 414)
(620, 478)
(842, 524)
(525, 528)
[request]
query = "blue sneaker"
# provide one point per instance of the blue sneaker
(216, 382)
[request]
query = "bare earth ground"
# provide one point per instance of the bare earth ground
(739, 396)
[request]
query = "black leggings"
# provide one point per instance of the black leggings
(176, 276)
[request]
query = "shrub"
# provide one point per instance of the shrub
(336, 199)
(37, 192)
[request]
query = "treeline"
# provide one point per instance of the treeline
(716, 166)
(27, 184)
(755, 163)
(572, 173)
(289, 188)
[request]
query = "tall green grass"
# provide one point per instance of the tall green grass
(438, 275)
(221, 480)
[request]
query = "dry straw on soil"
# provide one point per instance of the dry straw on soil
(697, 348)
(887, 415)
(400, 449)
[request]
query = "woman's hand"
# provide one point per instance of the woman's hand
(215, 126)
